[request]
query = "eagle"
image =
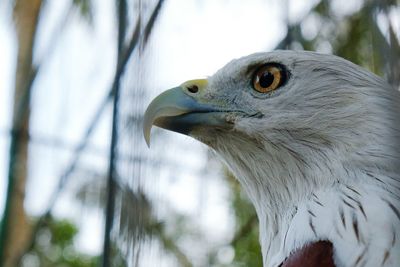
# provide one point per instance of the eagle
(313, 140)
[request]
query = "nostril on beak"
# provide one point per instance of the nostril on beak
(193, 89)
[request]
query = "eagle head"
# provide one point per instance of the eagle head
(288, 124)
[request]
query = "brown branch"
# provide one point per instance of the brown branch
(16, 227)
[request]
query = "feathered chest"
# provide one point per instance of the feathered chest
(345, 226)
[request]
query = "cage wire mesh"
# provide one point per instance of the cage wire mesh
(135, 227)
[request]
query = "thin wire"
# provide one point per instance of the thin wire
(111, 183)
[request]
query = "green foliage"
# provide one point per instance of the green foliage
(62, 232)
(54, 247)
(355, 36)
(85, 8)
(246, 240)
(118, 260)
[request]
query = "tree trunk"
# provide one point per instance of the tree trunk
(16, 228)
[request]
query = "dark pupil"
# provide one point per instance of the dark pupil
(266, 79)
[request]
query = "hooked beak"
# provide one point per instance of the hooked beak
(180, 111)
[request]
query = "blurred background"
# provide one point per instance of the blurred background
(78, 185)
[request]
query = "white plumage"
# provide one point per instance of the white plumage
(319, 156)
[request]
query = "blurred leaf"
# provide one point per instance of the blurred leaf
(62, 232)
(60, 251)
(322, 8)
(85, 8)
(246, 240)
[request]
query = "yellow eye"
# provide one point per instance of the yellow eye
(268, 78)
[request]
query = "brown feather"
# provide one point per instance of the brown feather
(318, 254)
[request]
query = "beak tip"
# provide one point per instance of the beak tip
(146, 134)
(148, 143)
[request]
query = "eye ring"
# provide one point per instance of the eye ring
(268, 78)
